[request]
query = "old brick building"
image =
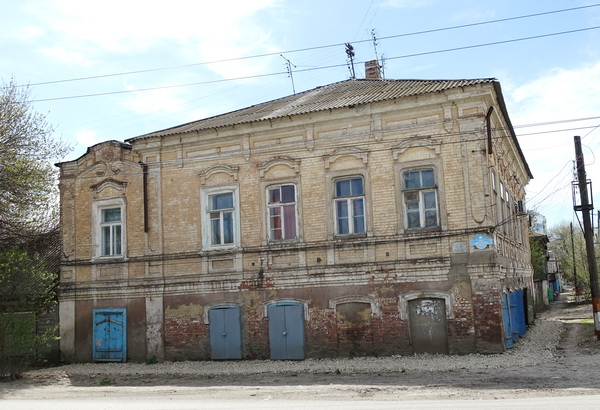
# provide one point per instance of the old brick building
(365, 217)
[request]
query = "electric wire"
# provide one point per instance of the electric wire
(316, 47)
(224, 80)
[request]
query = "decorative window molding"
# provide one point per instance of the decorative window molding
(447, 296)
(412, 142)
(420, 199)
(282, 212)
(215, 169)
(375, 311)
(109, 222)
(283, 160)
(109, 183)
(344, 152)
(349, 205)
(220, 217)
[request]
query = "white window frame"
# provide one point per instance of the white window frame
(421, 191)
(207, 239)
(97, 243)
(349, 200)
(281, 206)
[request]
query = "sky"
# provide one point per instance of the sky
(114, 70)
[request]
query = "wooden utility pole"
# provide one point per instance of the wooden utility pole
(586, 209)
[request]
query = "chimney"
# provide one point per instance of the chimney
(372, 70)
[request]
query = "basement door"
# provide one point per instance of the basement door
(286, 331)
(428, 329)
(225, 333)
(110, 335)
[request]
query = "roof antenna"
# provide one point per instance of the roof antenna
(289, 65)
(373, 35)
(350, 54)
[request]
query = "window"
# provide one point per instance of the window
(281, 205)
(221, 218)
(495, 198)
(420, 199)
(111, 237)
(503, 206)
(349, 203)
(220, 222)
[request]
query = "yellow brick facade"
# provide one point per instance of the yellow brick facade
(163, 186)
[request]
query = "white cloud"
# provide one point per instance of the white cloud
(205, 31)
(560, 94)
(87, 138)
(155, 101)
(67, 57)
(408, 4)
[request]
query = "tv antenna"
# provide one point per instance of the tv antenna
(374, 36)
(289, 66)
(350, 54)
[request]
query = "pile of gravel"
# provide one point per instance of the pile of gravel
(536, 347)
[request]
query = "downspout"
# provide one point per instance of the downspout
(489, 128)
(145, 194)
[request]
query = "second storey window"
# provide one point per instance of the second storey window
(220, 208)
(281, 204)
(349, 200)
(420, 199)
(111, 237)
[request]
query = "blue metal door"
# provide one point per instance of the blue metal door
(506, 319)
(110, 335)
(225, 333)
(286, 331)
(514, 315)
(521, 323)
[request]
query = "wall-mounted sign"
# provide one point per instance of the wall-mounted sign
(481, 241)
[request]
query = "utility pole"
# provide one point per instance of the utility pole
(577, 290)
(586, 209)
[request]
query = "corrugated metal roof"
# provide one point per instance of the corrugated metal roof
(336, 95)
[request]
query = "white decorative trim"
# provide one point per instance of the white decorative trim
(375, 311)
(97, 206)
(425, 294)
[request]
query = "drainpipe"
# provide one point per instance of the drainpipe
(145, 194)
(489, 128)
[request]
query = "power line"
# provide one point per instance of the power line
(316, 68)
(311, 48)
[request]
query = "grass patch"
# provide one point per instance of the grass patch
(107, 381)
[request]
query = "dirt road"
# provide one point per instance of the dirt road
(571, 367)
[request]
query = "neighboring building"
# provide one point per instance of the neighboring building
(365, 217)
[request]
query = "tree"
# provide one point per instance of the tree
(561, 245)
(27, 290)
(28, 228)
(28, 188)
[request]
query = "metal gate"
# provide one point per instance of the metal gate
(225, 333)
(506, 319)
(428, 328)
(286, 331)
(110, 335)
